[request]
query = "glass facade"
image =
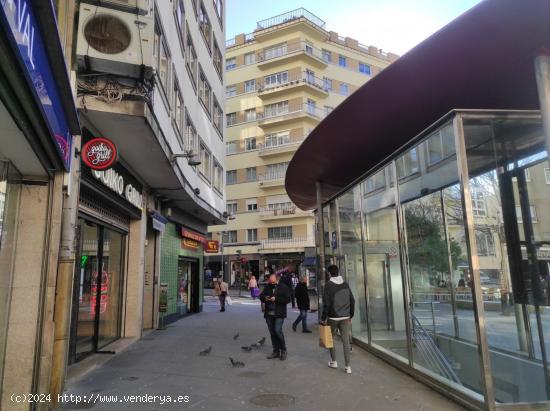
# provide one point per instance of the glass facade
(447, 250)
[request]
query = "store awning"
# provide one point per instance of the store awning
(481, 60)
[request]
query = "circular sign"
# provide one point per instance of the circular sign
(99, 153)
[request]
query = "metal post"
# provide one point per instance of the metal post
(321, 242)
(364, 239)
(542, 74)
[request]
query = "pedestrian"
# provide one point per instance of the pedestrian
(294, 281)
(338, 310)
(253, 287)
(302, 298)
(223, 294)
(286, 278)
(275, 296)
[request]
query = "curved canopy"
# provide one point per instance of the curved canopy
(484, 59)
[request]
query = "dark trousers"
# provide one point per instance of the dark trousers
(275, 327)
(302, 317)
(222, 301)
(293, 299)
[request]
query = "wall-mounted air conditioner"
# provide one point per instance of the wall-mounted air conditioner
(114, 41)
(143, 7)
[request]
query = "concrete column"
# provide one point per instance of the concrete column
(542, 72)
(133, 301)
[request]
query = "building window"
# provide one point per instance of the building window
(252, 235)
(275, 51)
(328, 110)
(251, 174)
(205, 92)
(218, 177)
(278, 139)
(478, 204)
(231, 147)
(276, 171)
(217, 115)
(249, 58)
(218, 6)
(364, 68)
(344, 89)
(230, 119)
(231, 207)
(327, 84)
(327, 56)
(309, 47)
(274, 80)
(311, 106)
(533, 212)
(162, 58)
(441, 145)
(252, 204)
(191, 59)
(218, 59)
(375, 182)
(249, 86)
(190, 135)
(230, 237)
(279, 233)
(485, 243)
(231, 177)
(279, 204)
(547, 175)
(342, 61)
(250, 114)
(179, 13)
(230, 91)
(205, 27)
(407, 164)
(250, 143)
(206, 162)
(179, 113)
(276, 109)
(231, 64)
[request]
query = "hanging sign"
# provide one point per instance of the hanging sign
(115, 181)
(211, 246)
(99, 153)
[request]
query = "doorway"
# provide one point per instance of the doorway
(188, 296)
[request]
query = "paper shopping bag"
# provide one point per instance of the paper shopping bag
(325, 336)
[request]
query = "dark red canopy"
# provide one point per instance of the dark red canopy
(481, 60)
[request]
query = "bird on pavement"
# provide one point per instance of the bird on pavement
(236, 364)
(205, 352)
(247, 348)
(255, 345)
(262, 341)
(236, 336)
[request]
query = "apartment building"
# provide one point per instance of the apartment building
(282, 79)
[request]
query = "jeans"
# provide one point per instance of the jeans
(302, 317)
(275, 327)
(345, 332)
(222, 301)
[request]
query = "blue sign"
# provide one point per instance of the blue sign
(17, 15)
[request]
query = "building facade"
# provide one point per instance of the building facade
(282, 80)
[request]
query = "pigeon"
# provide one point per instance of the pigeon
(205, 352)
(247, 348)
(236, 336)
(255, 345)
(262, 341)
(236, 364)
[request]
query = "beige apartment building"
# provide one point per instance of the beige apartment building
(281, 81)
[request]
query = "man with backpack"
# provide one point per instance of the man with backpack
(338, 310)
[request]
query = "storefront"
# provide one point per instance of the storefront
(438, 217)
(181, 270)
(108, 201)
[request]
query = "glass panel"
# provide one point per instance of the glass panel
(442, 317)
(510, 218)
(86, 276)
(384, 278)
(351, 257)
(111, 287)
(184, 276)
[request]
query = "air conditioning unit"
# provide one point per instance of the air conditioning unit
(114, 41)
(143, 7)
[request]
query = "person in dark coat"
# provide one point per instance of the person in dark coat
(275, 297)
(302, 298)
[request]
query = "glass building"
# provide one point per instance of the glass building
(439, 217)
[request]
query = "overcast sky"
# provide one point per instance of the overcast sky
(392, 25)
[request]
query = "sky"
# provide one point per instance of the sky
(392, 25)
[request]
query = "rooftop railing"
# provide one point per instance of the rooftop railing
(288, 17)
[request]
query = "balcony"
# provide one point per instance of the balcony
(272, 180)
(278, 117)
(284, 244)
(273, 150)
(304, 80)
(269, 214)
(269, 58)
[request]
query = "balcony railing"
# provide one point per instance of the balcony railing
(289, 49)
(279, 147)
(293, 111)
(293, 80)
(290, 16)
(290, 211)
(270, 177)
(294, 242)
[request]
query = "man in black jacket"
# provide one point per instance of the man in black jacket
(338, 309)
(302, 298)
(276, 296)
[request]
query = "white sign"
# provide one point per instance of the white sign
(110, 178)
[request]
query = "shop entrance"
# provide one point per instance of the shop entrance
(188, 297)
(97, 293)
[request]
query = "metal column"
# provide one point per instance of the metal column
(542, 73)
(321, 244)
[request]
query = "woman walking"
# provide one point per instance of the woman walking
(253, 287)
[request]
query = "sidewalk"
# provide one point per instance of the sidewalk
(168, 363)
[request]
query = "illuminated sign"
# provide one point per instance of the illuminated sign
(99, 153)
(211, 246)
(115, 181)
(192, 235)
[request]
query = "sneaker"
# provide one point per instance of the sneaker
(283, 356)
(307, 331)
(294, 327)
(333, 364)
(348, 370)
(273, 355)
